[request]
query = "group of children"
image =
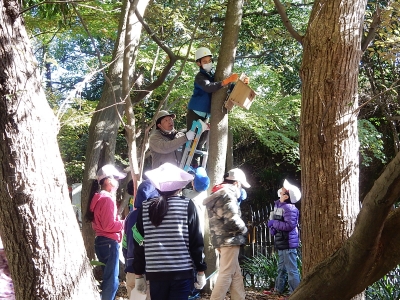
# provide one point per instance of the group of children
(173, 225)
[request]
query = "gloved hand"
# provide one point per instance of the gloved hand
(270, 223)
(140, 285)
(272, 230)
(201, 281)
(190, 135)
(234, 77)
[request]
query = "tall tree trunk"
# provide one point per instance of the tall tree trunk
(329, 138)
(42, 238)
(105, 122)
(219, 119)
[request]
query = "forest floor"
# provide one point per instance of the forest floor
(251, 294)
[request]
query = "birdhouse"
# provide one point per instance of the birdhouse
(242, 95)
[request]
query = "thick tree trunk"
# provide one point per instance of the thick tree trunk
(39, 229)
(105, 122)
(219, 118)
(329, 137)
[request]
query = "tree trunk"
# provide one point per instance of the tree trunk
(105, 122)
(41, 235)
(219, 118)
(329, 138)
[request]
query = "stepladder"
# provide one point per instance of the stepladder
(198, 127)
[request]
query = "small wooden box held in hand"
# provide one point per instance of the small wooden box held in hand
(242, 95)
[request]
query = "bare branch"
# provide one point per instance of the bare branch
(50, 2)
(376, 21)
(282, 12)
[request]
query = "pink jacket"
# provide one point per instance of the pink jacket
(106, 220)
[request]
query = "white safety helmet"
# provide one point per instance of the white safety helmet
(201, 52)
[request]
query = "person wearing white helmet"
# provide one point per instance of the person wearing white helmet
(199, 106)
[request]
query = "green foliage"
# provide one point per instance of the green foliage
(272, 120)
(371, 144)
(262, 270)
(386, 288)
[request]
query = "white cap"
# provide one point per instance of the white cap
(169, 177)
(294, 191)
(109, 171)
(238, 175)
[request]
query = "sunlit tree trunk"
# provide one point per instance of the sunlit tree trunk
(42, 239)
(106, 121)
(329, 137)
(219, 118)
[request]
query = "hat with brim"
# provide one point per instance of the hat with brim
(294, 191)
(201, 181)
(109, 171)
(238, 175)
(169, 177)
(164, 113)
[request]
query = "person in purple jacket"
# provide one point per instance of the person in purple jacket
(283, 225)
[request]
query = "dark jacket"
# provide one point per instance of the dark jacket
(172, 249)
(145, 191)
(286, 218)
(204, 86)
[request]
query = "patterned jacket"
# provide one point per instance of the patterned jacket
(226, 226)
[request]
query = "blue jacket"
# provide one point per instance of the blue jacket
(286, 218)
(204, 86)
(145, 191)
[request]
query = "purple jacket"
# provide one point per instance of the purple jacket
(286, 218)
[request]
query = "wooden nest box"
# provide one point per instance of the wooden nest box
(242, 95)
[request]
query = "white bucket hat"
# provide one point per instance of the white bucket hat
(109, 171)
(238, 175)
(294, 191)
(169, 177)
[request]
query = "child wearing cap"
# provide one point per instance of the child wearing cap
(283, 225)
(145, 191)
(102, 212)
(227, 231)
(173, 243)
(200, 184)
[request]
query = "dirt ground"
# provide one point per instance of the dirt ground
(250, 295)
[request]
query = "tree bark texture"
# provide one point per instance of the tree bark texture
(329, 137)
(42, 239)
(105, 122)
(219, 119)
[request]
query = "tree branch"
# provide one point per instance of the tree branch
(172, 59)
(286, 22)
(363, 258)
(51, 2)
(376, 21)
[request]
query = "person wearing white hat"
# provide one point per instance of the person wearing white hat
(165, 140)
(103, 214)
(171, 240)
(227, 231)
(283, 225)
